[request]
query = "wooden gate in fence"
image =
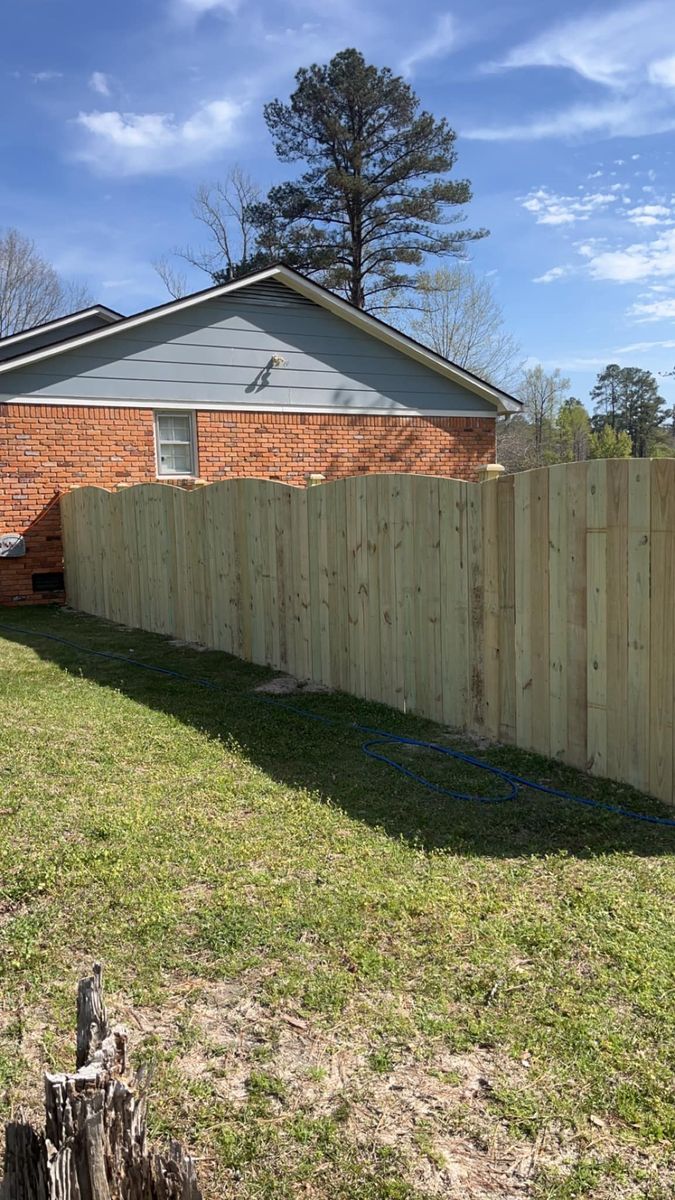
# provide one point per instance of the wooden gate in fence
(537, 609)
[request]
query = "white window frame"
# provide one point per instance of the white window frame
(168, 412)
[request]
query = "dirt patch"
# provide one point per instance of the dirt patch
(26, 1041)
(288, 685)
(182, 645)
(436, 1115)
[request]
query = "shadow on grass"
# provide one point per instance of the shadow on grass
(329, 761)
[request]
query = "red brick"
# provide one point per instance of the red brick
(107, 446)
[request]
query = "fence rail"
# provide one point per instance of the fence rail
(537, 609)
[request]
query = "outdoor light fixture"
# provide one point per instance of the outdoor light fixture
(278, 360)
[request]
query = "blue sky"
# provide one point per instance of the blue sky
(566, 128)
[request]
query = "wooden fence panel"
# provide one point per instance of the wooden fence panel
(574, 666)
(523, 608)
(506, 534)
(538, 609)
(639, 555)
(491, 627)
(454, 579)
(596, 616)
(558, 604)
(662, 622)
(617, 616)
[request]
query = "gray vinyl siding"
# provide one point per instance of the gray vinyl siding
(219, 352)
(9, 347)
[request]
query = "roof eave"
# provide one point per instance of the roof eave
(314, 291)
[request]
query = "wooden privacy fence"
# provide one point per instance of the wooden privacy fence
(537, 609)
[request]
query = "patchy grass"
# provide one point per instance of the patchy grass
(347, 986)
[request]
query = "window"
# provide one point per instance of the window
(175, 439)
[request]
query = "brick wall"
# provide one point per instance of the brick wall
(46, 449)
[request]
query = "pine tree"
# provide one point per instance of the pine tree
(641, 414)
(606, 397)
(375, 198)
(627, 400)
(609, 443)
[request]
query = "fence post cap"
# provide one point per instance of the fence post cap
(314, 478)
(490, 471)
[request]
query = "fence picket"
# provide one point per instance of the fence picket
(454, 576)
(639, 555)
(662, 644)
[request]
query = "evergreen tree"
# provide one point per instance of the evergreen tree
(375, 197)
(641, 414)
(609, 443)
(627, 400)
(572, 433)
(606, 397)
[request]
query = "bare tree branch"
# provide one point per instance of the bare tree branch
(31, 291)
(174, 281)
(223, 208)
(456, 314)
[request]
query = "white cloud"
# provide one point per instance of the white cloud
(292, 33)
(551, 209)
(98, 82)
(588, 249)
(46, 76)
(646, 347)
(438, 43)
(610, 48)
(654, 310)
(649, 214)
(552, 274)
(631, 117)
(140, 143)
(640, 261)
(199, 7)
(629, 50)
(662, 72)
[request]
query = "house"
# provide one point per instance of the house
(270, 376)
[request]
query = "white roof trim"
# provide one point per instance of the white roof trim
(108, 314)
(37, 400)
(325, 299)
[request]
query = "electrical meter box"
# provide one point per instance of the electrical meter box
(12, 545)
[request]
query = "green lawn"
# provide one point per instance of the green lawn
(347, 987)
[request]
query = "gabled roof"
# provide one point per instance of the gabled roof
(304, 287)
(94, 310)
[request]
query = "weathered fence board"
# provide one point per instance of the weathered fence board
(538, 609)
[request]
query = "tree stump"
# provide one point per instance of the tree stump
(94, 1143)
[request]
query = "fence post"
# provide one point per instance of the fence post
(490, 471)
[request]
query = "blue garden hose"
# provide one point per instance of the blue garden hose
(377, 739)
